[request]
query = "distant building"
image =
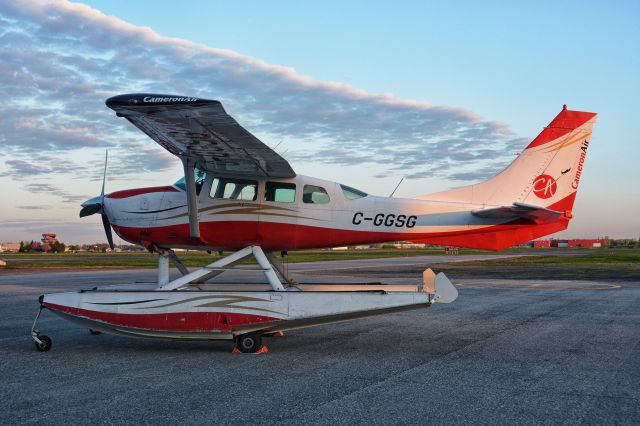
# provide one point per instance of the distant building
(574, 243)
(406, 245)
(594, 243)
(48, 240)
(541, 244)
(10, 247)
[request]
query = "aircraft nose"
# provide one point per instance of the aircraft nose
(94, 200)
(98, 205)
(91, 206)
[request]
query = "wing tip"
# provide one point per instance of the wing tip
(153, 99)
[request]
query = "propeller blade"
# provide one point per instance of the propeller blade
(107, 229)
(104, 175)
(90, 209)
(96, 205)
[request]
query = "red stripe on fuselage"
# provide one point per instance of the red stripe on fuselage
(234, 235)
(500, 237)
(139, 191)
(194, 322)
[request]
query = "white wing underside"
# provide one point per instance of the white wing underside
(201, 131)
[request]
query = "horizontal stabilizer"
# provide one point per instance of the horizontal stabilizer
(519, 210)
(445, 291)
(439, 286)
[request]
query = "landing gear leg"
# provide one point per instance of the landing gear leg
(43, 343)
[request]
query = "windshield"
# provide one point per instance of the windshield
(199, 175)
(352, 193)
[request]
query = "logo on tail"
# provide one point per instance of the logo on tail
(544, 186)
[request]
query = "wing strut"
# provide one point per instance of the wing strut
(192, 196)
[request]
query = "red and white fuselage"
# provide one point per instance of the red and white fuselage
(159, 215)
(315, 213)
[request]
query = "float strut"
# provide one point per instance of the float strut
(200, 275)
(163, 269)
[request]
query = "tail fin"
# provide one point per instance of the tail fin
(547, 173)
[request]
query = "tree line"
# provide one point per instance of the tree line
(37, 246)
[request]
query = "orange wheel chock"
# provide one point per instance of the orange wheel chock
(262, 350)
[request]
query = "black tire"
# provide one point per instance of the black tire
(249, 343)
(94, 332)
(45, 344)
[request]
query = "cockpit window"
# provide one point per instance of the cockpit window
(314, 195)
(199, 175)
(280, 192)
(234, 189)
(352, 193)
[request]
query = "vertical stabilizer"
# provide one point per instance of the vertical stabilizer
(547, 173)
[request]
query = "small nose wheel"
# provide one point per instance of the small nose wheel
(249, 343)
(44, 344)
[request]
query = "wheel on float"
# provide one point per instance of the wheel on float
(249, 343)
(44, 345)
(94, 332)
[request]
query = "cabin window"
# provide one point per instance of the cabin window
(352, 193)
(280, 192)
(315, 195)
(199, 176)
(234, 189)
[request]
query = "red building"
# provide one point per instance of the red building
(542, 244)
(588, 243)
(47, 241)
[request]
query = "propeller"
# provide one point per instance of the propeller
(96, 205)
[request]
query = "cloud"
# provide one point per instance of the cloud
(61, 61)
(49, 189)
(33, 207)
(21, 166)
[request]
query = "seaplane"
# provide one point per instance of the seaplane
(238, 195)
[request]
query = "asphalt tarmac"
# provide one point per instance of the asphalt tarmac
(506, 352)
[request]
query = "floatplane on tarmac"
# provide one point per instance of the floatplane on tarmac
(239, 195)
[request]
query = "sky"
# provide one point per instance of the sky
(364, 93)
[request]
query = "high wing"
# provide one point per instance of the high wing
(200, 131)
(519, 211)
(203, 135)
